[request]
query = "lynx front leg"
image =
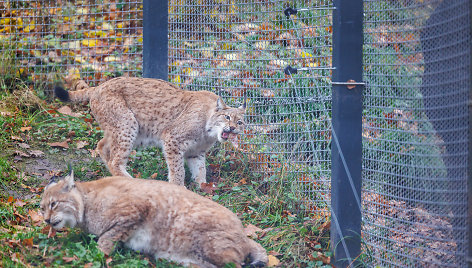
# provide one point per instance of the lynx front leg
(175, 162)
(196, 164)
(121, 145)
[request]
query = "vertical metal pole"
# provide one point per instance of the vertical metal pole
(347, 127)
(469, 161)
(155, 39)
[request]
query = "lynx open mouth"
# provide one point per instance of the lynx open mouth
(225, 134)
(232, 137)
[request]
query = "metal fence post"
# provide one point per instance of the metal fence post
(155, 39)
(469, 161)
(346, 148)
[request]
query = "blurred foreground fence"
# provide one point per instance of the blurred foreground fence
(278, 56)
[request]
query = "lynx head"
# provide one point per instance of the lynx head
(227, 122)
(62, 204)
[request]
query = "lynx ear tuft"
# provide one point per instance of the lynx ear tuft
(69, 183)
(220, 104)
(244, 105)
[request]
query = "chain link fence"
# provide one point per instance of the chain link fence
(48, 39)
(276, 55)
(266, 52)
(415, 132)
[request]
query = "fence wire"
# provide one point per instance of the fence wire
(240, 49)
(415, 132)
(49, 39)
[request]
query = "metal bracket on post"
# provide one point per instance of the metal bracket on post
(346, 151)
(155, 39)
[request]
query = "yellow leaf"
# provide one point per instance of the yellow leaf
(79, 59)
(304, 54)
(89, 42)
(176, 79)
(226, 46)
(111, 59)
(107, 26)
(5, 21)
(82, 11)
(29, 28)
(273, 261)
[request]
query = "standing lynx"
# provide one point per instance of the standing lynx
(141, 111)
(153, 217)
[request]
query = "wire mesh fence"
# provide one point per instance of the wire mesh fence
(268, 54)
(97, 40)
(415, 129)
(276, 55)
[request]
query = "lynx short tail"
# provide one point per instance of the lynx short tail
(81, 92)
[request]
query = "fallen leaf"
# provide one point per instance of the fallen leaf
(36, 218)
(273, 261)
(88, 265)
(89, 42)
(16, 257)
(93, 152)
(274, 253)
(16, 138)
(22, 154)
(70, 259)
(23, 129)
(267, 93)
(153, 176)
(208, 188)
(62, 144)
(6, 114)
(81, 144)
(27, 242)
(36, 153)
(325, 226)
(68, 111)
(252, 230)
(108, 261)
(19, 203)
(22, 228)
(24, 145)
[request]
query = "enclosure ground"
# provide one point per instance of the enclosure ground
(43, 139)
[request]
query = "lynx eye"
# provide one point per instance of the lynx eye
(227, 117)
(240, 122)
(53, 204)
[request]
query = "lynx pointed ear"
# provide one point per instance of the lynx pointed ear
(69, 183)
(220, 104)
(52, 181)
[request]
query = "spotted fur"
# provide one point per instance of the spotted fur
(153, 217)
(141, 112)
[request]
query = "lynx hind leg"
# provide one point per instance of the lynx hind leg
(196, 165)
(103, 148)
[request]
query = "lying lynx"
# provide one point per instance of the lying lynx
(140, 111)
(153, 217)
